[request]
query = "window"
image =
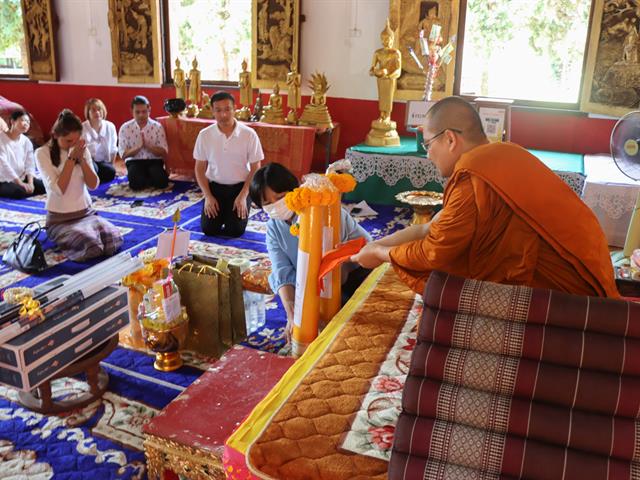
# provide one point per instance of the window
(13, 52)
(525, 50)
(217, 32)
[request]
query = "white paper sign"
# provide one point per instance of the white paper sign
(181, 247)
(302, 268)
(327, 244)
(492, 122)
(416, 112)
(171, 307)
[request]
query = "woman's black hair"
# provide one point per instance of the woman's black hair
(66, 123)
(17, 114)
(275, 176)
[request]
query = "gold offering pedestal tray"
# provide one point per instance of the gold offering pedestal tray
(422, 202)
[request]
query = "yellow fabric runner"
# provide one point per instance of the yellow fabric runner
(262, 413)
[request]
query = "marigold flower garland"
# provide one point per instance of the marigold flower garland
(303, 197)
(343, 181)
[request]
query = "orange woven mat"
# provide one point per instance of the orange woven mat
(302, 440)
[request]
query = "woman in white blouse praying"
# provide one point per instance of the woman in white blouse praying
(17, 166)
(67, 171)
(101, 138)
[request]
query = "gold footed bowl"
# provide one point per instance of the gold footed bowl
(423, 203)
(166, 342)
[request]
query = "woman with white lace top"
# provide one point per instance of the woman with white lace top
(17, 166)
(68, 172)
(101, 138)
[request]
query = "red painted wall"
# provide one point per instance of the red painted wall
(532, 128)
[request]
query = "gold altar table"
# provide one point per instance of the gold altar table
(292, 146)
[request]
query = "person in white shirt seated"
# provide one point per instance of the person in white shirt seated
(142, 145)
(67, 171)
(101, 139)
(227, 155)
(17, 165)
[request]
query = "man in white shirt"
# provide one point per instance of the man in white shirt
(227, 155)
(142, 144)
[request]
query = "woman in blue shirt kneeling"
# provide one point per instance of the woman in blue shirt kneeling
(268, 188)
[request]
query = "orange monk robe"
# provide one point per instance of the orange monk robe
(507, 218)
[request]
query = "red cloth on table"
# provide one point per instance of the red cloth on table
(292, 146)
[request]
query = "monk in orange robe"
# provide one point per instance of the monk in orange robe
(506, 217)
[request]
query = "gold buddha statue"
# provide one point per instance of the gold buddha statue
(386, 67)
(273, 113)
(206, 111)
(316, 112)
(179, 81)
(246, 93)
(293, 94)
(192, 110)
(195, 89)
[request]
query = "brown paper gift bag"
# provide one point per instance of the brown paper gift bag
(214, 302)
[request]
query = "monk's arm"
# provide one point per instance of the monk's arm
(448, 239)
(409, 234)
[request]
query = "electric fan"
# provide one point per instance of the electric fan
(625, 150)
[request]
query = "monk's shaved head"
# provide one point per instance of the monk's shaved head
(457, 114)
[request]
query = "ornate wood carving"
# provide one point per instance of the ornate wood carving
(612, 74)
(40, 26)
(187, 462)
(275, 40)
(135, 40)
(407, 18)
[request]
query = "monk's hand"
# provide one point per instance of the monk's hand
(372, 255)
(211, 206)
(240, 205)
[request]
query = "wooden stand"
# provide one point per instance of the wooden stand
(40, 399)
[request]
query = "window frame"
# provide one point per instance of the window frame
(18, 76)
(167, 64)
(566, 107)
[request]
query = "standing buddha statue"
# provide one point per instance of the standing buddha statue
(293, 94)
(195, 91)
(179, 81)
(386, 67)
(246, 93)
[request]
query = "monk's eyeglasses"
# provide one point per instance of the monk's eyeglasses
(427, 144)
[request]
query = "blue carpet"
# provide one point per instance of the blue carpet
(104, 440)
(116, 201)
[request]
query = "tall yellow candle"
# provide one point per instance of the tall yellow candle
(307, 302)
(331, 296)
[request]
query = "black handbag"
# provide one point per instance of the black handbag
(25, 253)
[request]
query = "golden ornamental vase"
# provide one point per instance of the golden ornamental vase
(165, 340)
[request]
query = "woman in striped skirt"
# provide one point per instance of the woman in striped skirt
(67, 171)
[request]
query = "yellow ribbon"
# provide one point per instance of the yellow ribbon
(30, 308)
(203, 269)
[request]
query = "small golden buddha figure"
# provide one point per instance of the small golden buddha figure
(386, 67)
(316, 112)
(195, 89)
(257, 109)
(246, 93)
(179, 81)
(206, 111)
(273, 113)
(293, 94)
(192, 110)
